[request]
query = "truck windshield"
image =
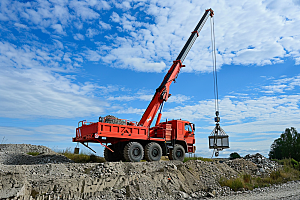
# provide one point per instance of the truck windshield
(188, 127)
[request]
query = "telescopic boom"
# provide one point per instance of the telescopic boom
(162, 92)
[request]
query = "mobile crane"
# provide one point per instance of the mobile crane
(133, 141)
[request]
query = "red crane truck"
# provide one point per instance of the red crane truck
(132, 141)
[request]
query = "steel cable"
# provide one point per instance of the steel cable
(214, 60)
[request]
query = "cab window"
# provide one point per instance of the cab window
(188, 127)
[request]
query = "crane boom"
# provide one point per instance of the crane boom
(162, 92)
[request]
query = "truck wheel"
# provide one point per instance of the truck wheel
(112, 156)
(133, 152)
(177, 153)
(153, 152)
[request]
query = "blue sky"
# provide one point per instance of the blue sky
(63, 61)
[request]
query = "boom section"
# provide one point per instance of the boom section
(162, 92)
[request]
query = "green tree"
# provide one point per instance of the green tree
(287, 146)
(234, 155)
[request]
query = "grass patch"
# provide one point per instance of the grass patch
(235, 184)
(82, 157)
(33, 153)
(289, 172)
(197, 158)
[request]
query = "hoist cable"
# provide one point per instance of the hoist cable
(214, 60)
(212, 154)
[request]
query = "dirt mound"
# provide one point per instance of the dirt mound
(146, 180)
(17, 154)
(27, 176)
(25, 148)
(255, 164)
(36, 176)
(164, 179)
(243, 166)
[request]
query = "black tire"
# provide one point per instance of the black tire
(133, 152)
(112, 156)
(153, 152)
(177, 153)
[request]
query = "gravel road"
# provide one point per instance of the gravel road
(287, 191)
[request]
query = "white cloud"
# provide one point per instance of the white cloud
(37, 135)
(67, 57)
(58, 15)
(58, 29)
(282, 85)
(125, 5)
(21, 26)
(241, 37)
(91, 32)
(105, 5)
(178, 98)
(82, 9)
(274, 88)
(105, 25)
(78, 36)
(58, 44)
(267, 37)
(92, 55)
(38, 93)
(115, 17)
(121, 98)
(30, 88)
(250, 115)
(147, 97)
(131, 110)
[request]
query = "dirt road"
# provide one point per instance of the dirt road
(287, 191)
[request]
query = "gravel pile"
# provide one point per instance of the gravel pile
(25, 159)
(17, 154)
(113, 120)
(255, 164)
(52, 176)
(265, 166)
(243, 166)
(25, 148)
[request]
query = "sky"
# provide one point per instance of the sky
(63, 61)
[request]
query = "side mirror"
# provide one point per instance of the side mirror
(194, 127)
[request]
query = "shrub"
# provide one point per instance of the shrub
(295, 163)
(247, 178)
(33, 153)
(84, 158)
(234, 183)
(197, 158)
(234, 155)
(287, 173)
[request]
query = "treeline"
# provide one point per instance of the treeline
(287, 146)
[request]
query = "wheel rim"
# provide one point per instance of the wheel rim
(155, 152)
(179, 153)
(136, 152)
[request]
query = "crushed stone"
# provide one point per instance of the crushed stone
(53, 176)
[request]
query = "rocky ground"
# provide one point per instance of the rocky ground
(286, 191)
(53, 176)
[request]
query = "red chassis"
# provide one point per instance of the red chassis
(169, 132)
